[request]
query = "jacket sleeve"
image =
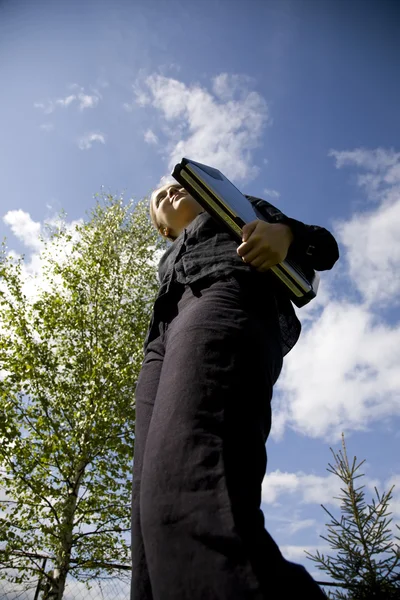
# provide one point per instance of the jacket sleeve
(314, 244)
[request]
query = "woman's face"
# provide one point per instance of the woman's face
(174, 208)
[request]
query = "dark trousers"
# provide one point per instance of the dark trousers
(202, 419)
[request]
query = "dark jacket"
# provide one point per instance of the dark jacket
(206, 250)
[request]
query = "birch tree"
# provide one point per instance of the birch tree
(69, 359)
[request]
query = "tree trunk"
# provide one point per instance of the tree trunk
(64, 557)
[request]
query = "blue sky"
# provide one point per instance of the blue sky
(297, 102)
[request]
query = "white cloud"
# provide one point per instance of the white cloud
(309, 489)
(271, 193)
(297, 554)
(220, 127)
(225, 86)
(86, 141)
(380, 160)
(343, 374)
(65, 101)
(51, 105)
(24, 228)
(380, 176)
(47, 109)
(28, 231)
(395, 503)
(84, 100)
(298, 525)
(150, 137)
(372, 244)
(141, 97)
(170, 96)
(371, 238)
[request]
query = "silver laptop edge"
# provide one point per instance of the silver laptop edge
(283, 270)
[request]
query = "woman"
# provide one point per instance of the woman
(214, 349)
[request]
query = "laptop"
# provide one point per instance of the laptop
(223, 201)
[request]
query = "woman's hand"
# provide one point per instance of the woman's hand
(264, 244)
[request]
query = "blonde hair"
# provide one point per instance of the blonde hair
(158, 225)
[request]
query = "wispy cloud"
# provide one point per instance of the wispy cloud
(87, 101)
(65, 101)
(47, 108)
(299, 525)
(150, 137)
(220, 126)
(371, 238)
(381, 164)
(271, 193)
(348, 351)
(395, 504)
(80, 98)
(86, 141)
(297, 554)
(47, 126)
(227, 86)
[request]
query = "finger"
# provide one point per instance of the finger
(264, 267)
(257, 254)
(258, 262)
(247, 246)
(269, 263)
(248, 229)
(243, 248)
(272, 258)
